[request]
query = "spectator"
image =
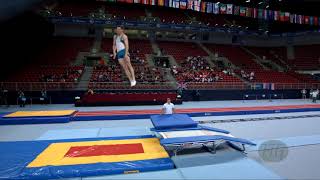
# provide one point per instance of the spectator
(44, 97)
(304, 93)
(21, 98)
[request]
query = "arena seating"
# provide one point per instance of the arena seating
(306, 58)
(181, 50)
(77, 10)
(275, 54)
(64, 50)
(236, 55)
(49, 74)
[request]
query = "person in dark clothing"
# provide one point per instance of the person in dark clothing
(21, 98)
(44, 97)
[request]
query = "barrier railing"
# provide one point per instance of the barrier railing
(37, 86)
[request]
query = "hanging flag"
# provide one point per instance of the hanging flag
(209, 7)
(236, 10)
(203, 6)
(255, 13)
(229, 8)
(136, 1)
(291, 18)
(276, 15)
(153, 2)
(316, 21)
(170, 3)
(242, 11)
(190, 4)
(286, 16)
(216, 9)
(196, 5)
(167, 3)
(160, 2)
(281, 16)
(183, 4)
(260, 14)
(223, 8)
(249, 12)
(311, 21)
(270, 15)
(265, 14)
(175, 3)
(306, 20)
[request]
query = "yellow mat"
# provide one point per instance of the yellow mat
(40, 113)
(55, 153)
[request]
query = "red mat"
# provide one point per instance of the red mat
(194, 110)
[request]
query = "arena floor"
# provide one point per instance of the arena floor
(299, 131)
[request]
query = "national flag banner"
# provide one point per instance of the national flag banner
(249, 12)
(176, 4)
(209, 7)
(276, 15)
(223, 8)
(311, 20)
(145, 1)
(300, 19)
(229, 8)
(160, 2)
(255, 13)
(291, 18)
(203, 6)
(242, 11)
(183, 4)
(316, 21)
(136, 1)
(166, 3)
(216, 9)
(270, 15)
(236, 10)
(260, 14)
(190, 4)
(153, 2)
(282, 16)
(286, 16)
(265, 14)
(306, 20)
(129, 1)
(196, 5)
(295, 18)
(170, 3)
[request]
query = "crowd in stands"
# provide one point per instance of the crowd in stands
(247, 76)
(71, 74)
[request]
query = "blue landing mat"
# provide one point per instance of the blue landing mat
(223, 165)
(15, 156)
(288, 142)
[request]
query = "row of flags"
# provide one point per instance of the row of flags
(231, 9)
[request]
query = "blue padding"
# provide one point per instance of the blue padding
(15, 156)
(213, 129)
(203, 139)
(288, 142)
(70, 134)
(35, 120)
(173, 121)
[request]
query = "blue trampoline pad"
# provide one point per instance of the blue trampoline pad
(165, 174)
(172, 121)
(124, 131)
(230, 166)
(288, 142)
(69, 134)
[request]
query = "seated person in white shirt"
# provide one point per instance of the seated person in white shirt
(168, 107)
